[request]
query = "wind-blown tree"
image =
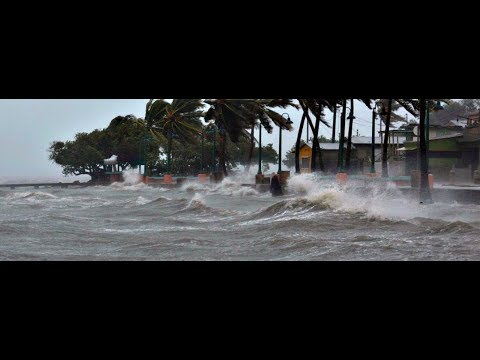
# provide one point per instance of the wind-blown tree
(79, 157)
(266, 114)
(351, 117)
(390, 106)
(298, 143)
(334, 120)
(310, 105)
(233, 117)
(341, 143)
(85, 154)
(425, 196)
(179, 120)
(127, 140)
(315, 106)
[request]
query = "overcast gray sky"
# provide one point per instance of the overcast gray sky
(27, 127)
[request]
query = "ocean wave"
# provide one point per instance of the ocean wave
(430, 226)
(233, 187)
(128, 187)
(34, 195)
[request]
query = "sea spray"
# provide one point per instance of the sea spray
(302, 183)
(382, 201)
(131, 181)
(131, 177)
(191, 186)
(197, 201)
(233, 186)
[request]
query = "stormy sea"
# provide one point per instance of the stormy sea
(227, 221)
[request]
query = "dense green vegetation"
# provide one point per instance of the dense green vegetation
(167, 141)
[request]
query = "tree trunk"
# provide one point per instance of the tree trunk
(313, 163)
(334, 121)
(349, 140)
(386, 140)
(169, 154)
(316, 151)
(315, 145)
(223, 148)
(252, 147)
(297, 145)
(317, 130)
(425, 196)
(342, 136)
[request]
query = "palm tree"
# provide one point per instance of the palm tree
(351, 117)
(425, 196)
(341, 144)
(298, 143)
(316, 107)
(349, 139)
(389, 110)
(388, 116)
(234, 116)
(425, 107)
(334, 122)
(179, 119)
(263, 110)
(252, 146)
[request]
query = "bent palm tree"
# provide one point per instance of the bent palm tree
(316, 106)
(234, 116)
(351, 117)
(179, 119)
(392, 105)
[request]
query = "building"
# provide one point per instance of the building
(363, 146)
(454, 144)
(444, 153)
(329, 157)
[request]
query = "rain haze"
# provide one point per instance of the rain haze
(27, 128)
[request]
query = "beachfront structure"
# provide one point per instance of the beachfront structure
(454, 145)
(361, 155)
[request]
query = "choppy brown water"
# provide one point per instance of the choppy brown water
(230, 222)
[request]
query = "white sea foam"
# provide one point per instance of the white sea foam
(132, 181)
(131, 177)
(381, 201)
(33, 195)
(197, 200)
(193, 186)
(232, 186)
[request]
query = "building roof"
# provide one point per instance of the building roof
(448, 117)
(328, 146)
(364, 140)
(450, 136)
(401, 139)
